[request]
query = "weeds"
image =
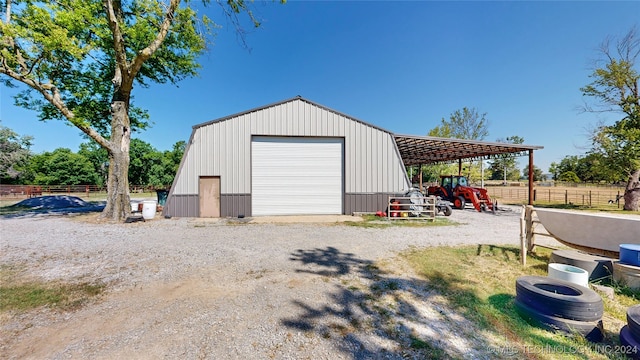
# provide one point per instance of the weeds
(376, 222)
(20, 295)
(479, 282)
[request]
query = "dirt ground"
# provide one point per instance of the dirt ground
(267, 288)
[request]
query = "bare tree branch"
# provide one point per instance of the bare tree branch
(52, 94)
(118, 44)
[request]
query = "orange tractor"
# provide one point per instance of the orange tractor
(455, 188)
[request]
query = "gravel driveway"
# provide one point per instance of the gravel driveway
(189, 288)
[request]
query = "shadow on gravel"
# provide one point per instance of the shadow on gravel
(373, 315)
(331, 261)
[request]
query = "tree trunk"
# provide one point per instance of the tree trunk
(118, 200)
(632, 192)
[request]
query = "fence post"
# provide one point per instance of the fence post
(590, 202)
(549, 196)
(618, 199)
(523, 237)
(535, 193)
(566, 197)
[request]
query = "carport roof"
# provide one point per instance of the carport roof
(422, 150)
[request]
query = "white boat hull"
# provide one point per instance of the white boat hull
(596, 233)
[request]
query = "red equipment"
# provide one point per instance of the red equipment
(455, 188)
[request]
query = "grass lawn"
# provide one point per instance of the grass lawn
(479, 281)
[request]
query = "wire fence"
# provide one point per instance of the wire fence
(8, 191)
(586, 196)
(591, 196)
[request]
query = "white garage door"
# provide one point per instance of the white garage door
(296, 176)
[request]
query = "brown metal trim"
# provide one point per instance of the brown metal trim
(530, 177)
(415, 150)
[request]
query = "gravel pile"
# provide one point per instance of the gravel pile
(189, 288)
(54, 205)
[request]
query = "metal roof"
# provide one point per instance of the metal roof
(422, 150)
(298, 97)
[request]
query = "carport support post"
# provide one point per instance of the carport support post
(530, 177)
(523, 240)
(420, 177)
(459, 167)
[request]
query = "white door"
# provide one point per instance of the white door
(297, 175)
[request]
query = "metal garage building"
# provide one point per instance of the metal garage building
(299, 157)
(291, 157)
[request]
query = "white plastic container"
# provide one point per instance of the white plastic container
(569, 273)
(148, 209)
(134, 206)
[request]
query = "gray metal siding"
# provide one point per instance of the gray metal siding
(232, 205)
(366, 202)
(182, 206)
(223, 148)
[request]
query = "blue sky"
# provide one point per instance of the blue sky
(402, 66)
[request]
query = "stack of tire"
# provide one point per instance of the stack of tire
(559, 305)
(630, 333)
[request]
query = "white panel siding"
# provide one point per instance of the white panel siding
(296, 176)
(223, 148)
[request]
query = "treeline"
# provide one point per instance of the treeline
(592, 167)
(89, 166)
(589, 168)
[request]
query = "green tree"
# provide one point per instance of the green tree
(554, 170)
(83, 58)
(443, 130)
(431, 173)
(143, 158)
(151, 167)
(615, 89)
(593, 167)
(162, 174)
(62, 167)
(498, 173)
(506, 166)
(98, 157)
(147, 166)
(463, 124)
(466, 123)
(568, 163)
(14, 155)
(537, 173)
(569, 176)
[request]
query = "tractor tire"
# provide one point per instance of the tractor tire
(633, 321)
(559, 298)
(447, 210)
(591, 330)
(459, 202)
(630, 345)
